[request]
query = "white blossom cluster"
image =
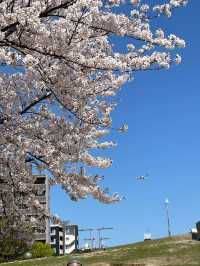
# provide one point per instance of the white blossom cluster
(54, 105)
(166, 9)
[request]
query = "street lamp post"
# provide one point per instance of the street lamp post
(168, 220)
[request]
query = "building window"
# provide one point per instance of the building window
(40, 180)
(53, 232)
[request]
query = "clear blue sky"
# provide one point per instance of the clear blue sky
(162, 110)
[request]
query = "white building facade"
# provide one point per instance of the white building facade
(64, 238)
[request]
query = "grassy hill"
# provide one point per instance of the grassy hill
(175, 251)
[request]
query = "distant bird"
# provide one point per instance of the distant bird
(142, 177)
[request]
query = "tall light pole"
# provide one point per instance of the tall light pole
(168, 220)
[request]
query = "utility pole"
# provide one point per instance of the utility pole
(99, 233)
(103, 238)
(168, 220)
(92, 239)
(91, 242)
(90, 230)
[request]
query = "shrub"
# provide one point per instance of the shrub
(2, 260)
(40, 249)
(12, 248)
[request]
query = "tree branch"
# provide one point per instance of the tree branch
(55, 8)
(39, 158)
(45, 96)
(13, 27)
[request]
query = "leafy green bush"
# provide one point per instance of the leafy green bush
(40, 249)
(12, 248)
(2, 260)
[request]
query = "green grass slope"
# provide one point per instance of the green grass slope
(175, 251)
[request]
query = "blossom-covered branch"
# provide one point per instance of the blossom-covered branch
(59, 75)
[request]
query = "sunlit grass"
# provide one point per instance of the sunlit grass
(176, 251)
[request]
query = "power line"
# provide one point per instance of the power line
(103, 238)
(91, 241)
(99, 230)
(99, 233)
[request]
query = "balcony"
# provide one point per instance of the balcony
(40, 236)
(42, 199)
(53, 233)
(53, 242)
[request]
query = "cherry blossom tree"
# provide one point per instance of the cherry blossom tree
(58, 80)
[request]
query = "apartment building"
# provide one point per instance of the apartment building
(40, 188)
(64, 238)
(71, 238)
(42, 193)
